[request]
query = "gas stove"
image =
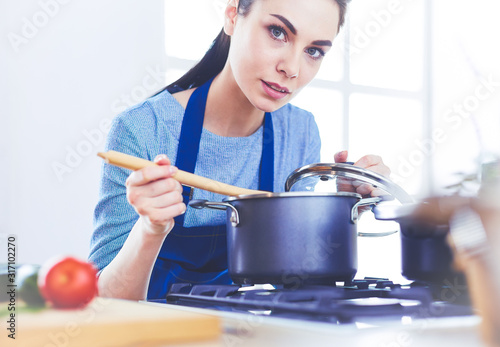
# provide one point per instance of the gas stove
(368, 300)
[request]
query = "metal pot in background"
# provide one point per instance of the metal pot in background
(425, 253)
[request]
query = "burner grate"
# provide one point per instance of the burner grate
(369, 297)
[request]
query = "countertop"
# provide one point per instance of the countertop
(249, 330)
(155, 324)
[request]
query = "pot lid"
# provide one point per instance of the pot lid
(341, 177)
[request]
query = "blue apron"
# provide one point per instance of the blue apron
(198, 255)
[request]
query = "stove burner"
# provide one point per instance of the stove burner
(381, 302)
(370, 297)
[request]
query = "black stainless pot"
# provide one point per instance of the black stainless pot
(291, 238)
(308, 235)
(425, 253)
(426, 256)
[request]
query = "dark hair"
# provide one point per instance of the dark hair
(215, 58)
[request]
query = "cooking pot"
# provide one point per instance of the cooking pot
(291, 238)
(296, 237)
(425, 253)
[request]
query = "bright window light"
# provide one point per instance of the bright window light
(391, 84)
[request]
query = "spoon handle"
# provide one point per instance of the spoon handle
(185, 178)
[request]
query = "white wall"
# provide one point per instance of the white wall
(67, 68)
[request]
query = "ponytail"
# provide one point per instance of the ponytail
(212, 63)
(208, 67)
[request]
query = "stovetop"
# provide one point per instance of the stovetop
(365, 300)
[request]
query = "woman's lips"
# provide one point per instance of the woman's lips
(274, 90)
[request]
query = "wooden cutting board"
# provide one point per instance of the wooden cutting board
(110, 322)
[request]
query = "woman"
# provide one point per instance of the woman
(227, 119)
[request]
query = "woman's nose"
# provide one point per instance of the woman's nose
(290, 66)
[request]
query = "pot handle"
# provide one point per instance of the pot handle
(363, 202)
(214, 205)
(381, 234)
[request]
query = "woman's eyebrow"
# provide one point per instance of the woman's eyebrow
(323, 43)
(286, 22)
(294, 31)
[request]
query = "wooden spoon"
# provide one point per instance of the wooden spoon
(185, 178)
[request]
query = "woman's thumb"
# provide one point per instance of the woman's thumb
(340, 157)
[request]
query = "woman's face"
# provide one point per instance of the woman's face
(278, 47)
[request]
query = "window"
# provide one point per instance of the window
(466, 73)
(401, 82)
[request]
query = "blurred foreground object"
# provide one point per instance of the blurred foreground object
(476, 252)
(475, 240)
(27, 278)
(479, 252)
(67, 282)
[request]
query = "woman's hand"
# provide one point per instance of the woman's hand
(156, 196)
(371, 162)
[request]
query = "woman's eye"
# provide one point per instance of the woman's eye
(315, 53)
(277, 33)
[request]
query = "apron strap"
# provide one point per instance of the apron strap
(189, 140)
(192, 125)
(266, 179)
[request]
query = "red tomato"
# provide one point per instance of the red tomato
(67, 282)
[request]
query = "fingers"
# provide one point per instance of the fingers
(157, 203)
(368, 161)
(341, 157)
(162, 159)
(378, 192)
(374, 163)
(160, 211)
(166, 200)
(155, 195)
(155, 188)
(151, 173)
(162, 216)
(345, 185)
(365, 189)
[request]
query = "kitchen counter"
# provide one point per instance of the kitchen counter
(106, 322)
(249, 330)
(112, 322)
